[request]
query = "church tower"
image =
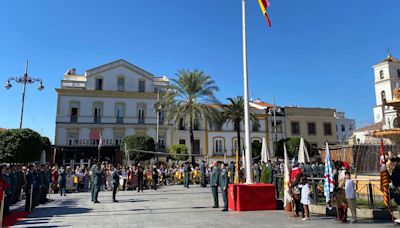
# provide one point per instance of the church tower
(387, 78)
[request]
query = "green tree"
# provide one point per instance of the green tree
(265, 175)
(190, 97)
(138, 142)
(21, 145)
(292, 146)
(178, 152)
(234, 113)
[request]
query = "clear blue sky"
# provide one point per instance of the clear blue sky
(317, 54)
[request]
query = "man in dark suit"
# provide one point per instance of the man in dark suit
(223, 182)
(203, 174)
(155, 177)
(214, 177)
(115, 182)
(139, 177)
(186, 172)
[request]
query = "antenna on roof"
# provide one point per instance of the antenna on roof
(389, 51)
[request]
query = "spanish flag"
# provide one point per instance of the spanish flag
(385, 178)
(264, 4)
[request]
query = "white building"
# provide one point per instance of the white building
(112, 101)
(344, 127)
(387, 78)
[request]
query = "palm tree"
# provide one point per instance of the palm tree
(191, 97)
(234, 113)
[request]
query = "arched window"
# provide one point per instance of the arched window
(383, 96)
(219, 146)
(398, 73)
(381, 76)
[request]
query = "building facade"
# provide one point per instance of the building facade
(109, 102)
(344, 127)
(315, 125)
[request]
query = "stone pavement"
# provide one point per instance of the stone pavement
(171, 206)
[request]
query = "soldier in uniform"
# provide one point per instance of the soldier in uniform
(214, 182)
(92, 170)
(257, 171)
(5, 175)
(97, 181)
(186, 171)
(223, 182)
(30, 181)
(139, 178)
(62, 181)
(115, 182)
(203, 174)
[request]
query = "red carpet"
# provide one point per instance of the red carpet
(14, 217)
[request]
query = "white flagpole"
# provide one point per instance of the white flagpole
(249, 176)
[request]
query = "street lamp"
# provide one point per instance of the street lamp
(24, 80)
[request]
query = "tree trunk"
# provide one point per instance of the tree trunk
(237, 126)
(191, 140)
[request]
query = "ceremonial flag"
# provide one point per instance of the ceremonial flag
(264, 4)
(100, 142)
(286, 196)
(385, 178)
(328, 175)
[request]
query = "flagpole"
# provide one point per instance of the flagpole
(249, 176)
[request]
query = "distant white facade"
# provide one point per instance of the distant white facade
(344, 127)
(387, 78)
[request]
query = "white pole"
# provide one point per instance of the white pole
(249, 176)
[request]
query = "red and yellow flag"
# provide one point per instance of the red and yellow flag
(264, 4)
(385, 178)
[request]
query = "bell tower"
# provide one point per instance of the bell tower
(387, 78)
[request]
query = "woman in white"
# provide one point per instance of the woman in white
(305, 198)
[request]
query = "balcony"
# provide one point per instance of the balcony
(97, 119)
(141, 120)
(120, 119)
(73, 84)
(74, 119)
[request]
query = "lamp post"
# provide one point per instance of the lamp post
(24, 80)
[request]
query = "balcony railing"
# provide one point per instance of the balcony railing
(141, 120)
(97, 119)
(74, 119)
(120, 119)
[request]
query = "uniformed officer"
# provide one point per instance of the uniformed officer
(115, 182)
(257, 171)
(62, 181)
(154, 177)
(30, 181)
(5, 175)
(214, 182)
(92, 170)
(186, 172)
(97, 181)
(223, 182)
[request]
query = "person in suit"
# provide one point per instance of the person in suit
(155, 177)
(115, 182)
(214, 182)
(139, 178)
(62, 181)
(223, 183)
(203, 174)
(186, 172)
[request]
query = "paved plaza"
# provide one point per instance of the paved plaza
(171, 206)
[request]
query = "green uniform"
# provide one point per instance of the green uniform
(93, 169)
(97, 181)
(214, 184)
(223, 182)
(115, 183)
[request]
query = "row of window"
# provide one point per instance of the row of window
(311, 128)
(382, 75)
(99, 85)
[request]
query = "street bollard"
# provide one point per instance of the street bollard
(370, 197)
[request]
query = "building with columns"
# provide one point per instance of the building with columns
(110, 102)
